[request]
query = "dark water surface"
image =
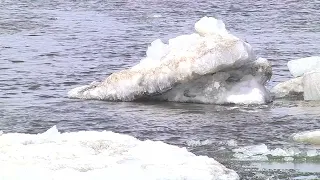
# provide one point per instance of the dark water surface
(50, 47)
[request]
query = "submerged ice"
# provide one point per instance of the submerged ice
(208, 66)
(101, 155)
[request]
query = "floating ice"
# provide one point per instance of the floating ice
(209, 66)
(156, 15)
(300, 66)
(311, 85)
(196, 143)
(290, 88)
(306, 85)
(262, 153)
(101, 155)
(312, 137)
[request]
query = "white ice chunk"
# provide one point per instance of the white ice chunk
(210, 26)
(101, 155)
(262, 153)
(312, 137)
(210, 66)
(195, 143)
(290, 88)
(300, 66)
(248, 92)
(311, 85)
(260, 149)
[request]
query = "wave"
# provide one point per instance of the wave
(208, 66)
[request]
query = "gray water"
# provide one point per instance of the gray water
(50, 47)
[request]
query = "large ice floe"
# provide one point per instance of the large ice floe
(305, 84)
(101, 155)
(208, 66)
(262, 152)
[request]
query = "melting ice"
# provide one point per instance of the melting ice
(101, 155)
(261, 152)
(312, 137)
(208, 66)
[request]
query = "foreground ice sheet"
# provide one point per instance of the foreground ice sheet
(101, 155)
(300, 66)
(209, 66)
(312, 137)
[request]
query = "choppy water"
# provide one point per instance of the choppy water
(49, 47)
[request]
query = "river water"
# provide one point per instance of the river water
(50, 47)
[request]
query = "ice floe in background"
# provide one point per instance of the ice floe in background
(261, 152)
(298, 67)
(292, 88)
(101, 155)
(311, 137)
(208, 66)
(306, 81)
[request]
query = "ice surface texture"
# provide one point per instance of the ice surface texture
(101, 155)
(290, 88)
(312, 137)
(209, 66)
(300, 66)
(306, 82)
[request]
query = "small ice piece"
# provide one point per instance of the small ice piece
(288, 159)
(261, 149)
(195, 143)
(216, 85)
(210, 26)
(232, 143)
(312, 153)
(279, 152)
(157, 15)
(311, 85)
(300, 66)
(287, 89)
(312, 137)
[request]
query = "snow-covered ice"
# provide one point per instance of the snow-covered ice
(208, 66)
(101, 155)
(312, 137)
(290, 88)
(298, 67)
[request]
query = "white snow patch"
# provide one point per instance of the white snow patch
(101, 155)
